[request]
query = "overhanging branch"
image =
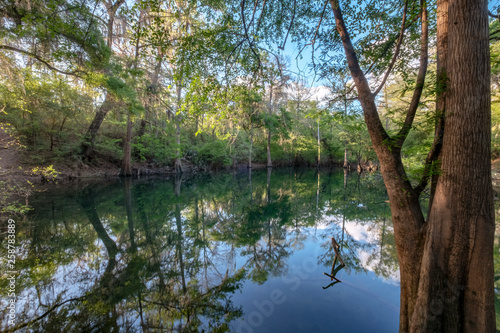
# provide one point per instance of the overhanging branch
(396, 52)
(34, 56)
(365, 96)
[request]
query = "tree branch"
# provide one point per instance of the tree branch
(386, 49)
(431, 156)
(396, 52)
(260, 18)
(316, 32)
(18, 327)
(365, 96)
(250, 43)
(419, 85)
(10, 48)
(290, 27)
(490, 14)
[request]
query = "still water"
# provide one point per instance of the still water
(228, 252)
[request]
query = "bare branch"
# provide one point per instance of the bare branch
(290, 27)
(10, 48)
(260, 18)
(250, 42)
(396, 52)
(317, 29)
(253, 14)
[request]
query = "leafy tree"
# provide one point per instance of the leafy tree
(465, 215)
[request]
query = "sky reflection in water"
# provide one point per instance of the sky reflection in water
(224, 252)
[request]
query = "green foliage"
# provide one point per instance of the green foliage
(213, 154)
(49, 174)
(121, 236)
(14, 198)
(154, 149)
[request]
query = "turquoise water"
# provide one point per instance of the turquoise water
(227, 252)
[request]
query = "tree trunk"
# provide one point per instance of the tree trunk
(251, 147)
(456, 279)
(446, 263)
(178, 163)
(345, 156)
(269, 163)
(126, 169)
(319, 146)
(150, 97)
(87, 146)
(111, 9)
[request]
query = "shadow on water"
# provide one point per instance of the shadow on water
(223, 252)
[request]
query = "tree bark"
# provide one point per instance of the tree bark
(87, 146)
(456, 284)
(446, 263)
(251, 147)
(126, 169)
(270, 112)
(178, 163)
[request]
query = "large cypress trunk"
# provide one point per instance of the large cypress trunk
(456, 279)
(408, 222)
(446, 262)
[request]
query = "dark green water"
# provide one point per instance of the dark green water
(212, 253)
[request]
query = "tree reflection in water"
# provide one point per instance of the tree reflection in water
(167, 255)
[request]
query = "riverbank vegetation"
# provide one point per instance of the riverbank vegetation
(197, 85)
(156, 85)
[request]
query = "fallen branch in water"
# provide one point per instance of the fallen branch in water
(335, 270)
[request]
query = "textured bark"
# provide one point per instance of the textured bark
(446, 263)
(442, 56)
(456, 285)
(87, 146)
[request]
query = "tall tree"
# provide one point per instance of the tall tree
(87, 146)
(446, 260)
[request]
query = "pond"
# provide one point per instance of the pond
(227, 252)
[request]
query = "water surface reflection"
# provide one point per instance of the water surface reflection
(226, 252)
